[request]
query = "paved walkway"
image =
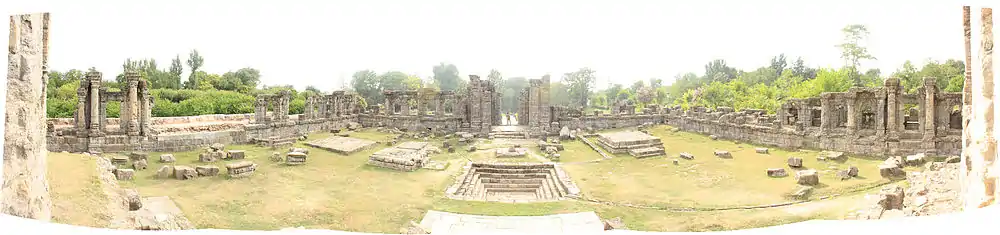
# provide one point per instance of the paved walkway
(441, 223)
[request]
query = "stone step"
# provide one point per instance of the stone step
(511, 190)
(511, 181)
(496, 186)
(513, 176)
(513, 171)
(511, 166)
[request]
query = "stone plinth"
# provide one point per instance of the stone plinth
(342, 145)
(513, 182)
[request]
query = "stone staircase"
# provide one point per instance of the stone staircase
(508, 135)
(593, 146)
(511, 183)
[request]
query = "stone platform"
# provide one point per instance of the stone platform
(342, 145)
(513, 182)
(636, 143)
(571, 223)
(408, 156)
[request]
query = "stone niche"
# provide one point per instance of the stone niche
(513, 182)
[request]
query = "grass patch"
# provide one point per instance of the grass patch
(77, 196)
(342, 192)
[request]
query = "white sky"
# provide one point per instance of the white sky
(321, 42)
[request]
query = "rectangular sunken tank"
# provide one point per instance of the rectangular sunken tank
(513, 182)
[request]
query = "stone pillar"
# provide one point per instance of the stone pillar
(979, 168)
(131, 101)
(405, 104)
(894, 108)
(310, 105)
(102, 110)
(421, 105)
(81, 108)
(880, 114)
(826, 113)
(852, 115)
(25, 191)
(929, 122)
(439, 106)
(144, 110)
(388, 103)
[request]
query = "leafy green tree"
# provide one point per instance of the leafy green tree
(579, 84)
(446, 77)
(195, 61)
(367, 84)
(853, 52)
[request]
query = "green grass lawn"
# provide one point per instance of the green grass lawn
(333, 191)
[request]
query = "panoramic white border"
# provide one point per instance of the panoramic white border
(955, 223)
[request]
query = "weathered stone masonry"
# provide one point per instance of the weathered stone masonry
(873, 121)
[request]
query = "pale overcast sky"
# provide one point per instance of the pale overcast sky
(321, 42)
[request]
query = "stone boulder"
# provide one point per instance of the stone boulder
(723, 154)
(687, 156)
(891, 197)
(164, 172)
(802, 192)
(451, 149)
(139, 164)
(763, 150)
(713, 137)
(138, 156)
(807, 177)
(891, 171)
(133, 199)
(184, 172)
(836, 156)
(276, 157)
(852, 171)
(776, 172)
(167, 158)
(353, 126)
(916, 159)
(795, 162)
(124, 174)
(236, 155)
(564, 133)
(217, 147)
(843, 174)
(676, 162)
(298, 150)
(207, 170)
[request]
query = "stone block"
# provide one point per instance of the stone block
(713, 137)
(295, 158)
(676, 162)
(776, 172)
(276, 157)
(891, 171)
(167, 158)
(687, 156)
(184, 172)
(836, 156)
(807, 177)
(852, 171)
(139, 164)
(891, 197)
(795, 162)
(763, 150)
(207, 170)
(802, 192)
(236, 155)
(133, 199)
(124, 174)
(165, 172)
(471, 148)
(298, 150)
(843, 174)
(916, 159)
(138, 156)
(217, 147)
(207, 157)
(723, 154)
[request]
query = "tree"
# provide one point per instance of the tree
(717, 70)
(176, 69)
(778, 64)
(495, 78)
(195, 61)
(366, 84)
(579, 84)
(852, 51)
(393, 80)
(446, 76)
(799, 69)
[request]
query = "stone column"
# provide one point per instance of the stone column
(826, 113)
(81, 109)
(405, 104)
(929, 121)
(439, 107)
(131, 102)
(894, 120)
(852, 114)
(144, 106)
(421, 105)
(880, 114)
(979, 168)
(25, 191)
(95, 101)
